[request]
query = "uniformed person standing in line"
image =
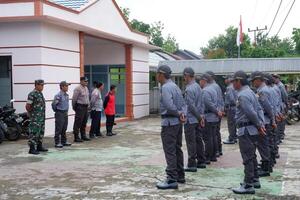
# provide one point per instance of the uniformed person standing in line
(284, 96)
(230, 107)
(60, 106)
(80, 104)
(194, 119)
(264, 97)
(173, 114)
(36, 107)
(212, 116)
(220, 105)
(249, 119)
(276, 101)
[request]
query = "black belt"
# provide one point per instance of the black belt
(168, 116)
(207, 112)
(230, 105)
(82, 105)
(62, 111)
(244, 124)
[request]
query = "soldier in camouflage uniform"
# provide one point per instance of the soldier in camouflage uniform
(36, 109)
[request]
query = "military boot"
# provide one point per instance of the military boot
(84, 138)
(32, 150)
(77, 139)
(41, 148)
(264, 170)
(244, 189)
(167, 184)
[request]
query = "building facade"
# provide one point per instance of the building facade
(57, 40)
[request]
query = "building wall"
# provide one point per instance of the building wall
(17, 9)
(140, 70)
(40, 51)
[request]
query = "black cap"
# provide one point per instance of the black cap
(276, 75)
(211, 74)
(64, 83)
(39, 82)
(228, 77)
(268, 77)
(205, 77)
(256, 75)
(240, 75)
(189, 71)
(83, 78)
(164, 69)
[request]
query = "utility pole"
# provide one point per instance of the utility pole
(255, 30)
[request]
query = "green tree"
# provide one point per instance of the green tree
(141, 26)
(126, 12)
(170, 45)
(296, 39)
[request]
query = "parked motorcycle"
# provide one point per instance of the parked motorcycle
(12, 121)
(293, 112)
(2, 127)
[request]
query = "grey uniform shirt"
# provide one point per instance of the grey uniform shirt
(248, 110)
(220, 100)
(284, 94)
(210, 97)
(192, 96)
(264, 98)
(278, 91)
(230, 96)
(80, 96)
(276, 100)
(96, 100)
(60, 102)
(171, 104)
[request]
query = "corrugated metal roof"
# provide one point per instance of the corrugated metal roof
(73, 4)
(228, 66)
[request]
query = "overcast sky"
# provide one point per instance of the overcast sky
(194, 22)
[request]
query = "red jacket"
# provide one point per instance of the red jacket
(110, 104)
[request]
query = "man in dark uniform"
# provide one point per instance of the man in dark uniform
(36, 107)
(195, 105)
(249, 119)
(220, 105)
(230, 107)
(264, 97)
(212, 115)
(60, 106)
(173, 112)
(80, 104)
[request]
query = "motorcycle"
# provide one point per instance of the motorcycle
(3, 128)
(12, 121)
(293, 112)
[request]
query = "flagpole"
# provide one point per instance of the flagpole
(239, 51)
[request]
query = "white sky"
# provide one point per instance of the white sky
(194, 22)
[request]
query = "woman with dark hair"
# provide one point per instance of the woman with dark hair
(110, 110)
(96, 109)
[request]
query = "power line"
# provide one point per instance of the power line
(285, 17)
(275, 17)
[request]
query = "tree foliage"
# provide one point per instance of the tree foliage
(296, 39)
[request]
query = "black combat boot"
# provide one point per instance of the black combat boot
(167, 184)
(244, 189)
(41, 148)
(32, 150)
(84, 138)
(77, 139)
(264, 170)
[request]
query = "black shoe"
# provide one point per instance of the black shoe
(99, 135)
(190, 169)
(229, 141)
(114, 133)
(213, 160)
(181, 180)
(201, 165)
(59, 145)
(207, 162)
(41, 148)
(78, 140)
(167, 184)
(263, 173)
(277, 156)
(67, 144)
(92, 136)
(32, 150)
(109, 134)
(244, 189)
(256, 184)
(85, 139)
(221, 153)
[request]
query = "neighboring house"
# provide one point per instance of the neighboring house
(187, 55)
(59, 40)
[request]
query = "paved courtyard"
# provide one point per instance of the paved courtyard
(127, 166)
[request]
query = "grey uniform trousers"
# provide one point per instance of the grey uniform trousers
(263, 146)
(219, 138)
(230, 112)
(171, 137)
(200, 145)
(247, 144)
(191, 144)
(81, 117)
(61, 125)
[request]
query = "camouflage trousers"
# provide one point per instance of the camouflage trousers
(36, 132)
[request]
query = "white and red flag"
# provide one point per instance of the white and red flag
(240, 36)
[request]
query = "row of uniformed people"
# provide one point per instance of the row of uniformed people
(251, 115)
(200, 109)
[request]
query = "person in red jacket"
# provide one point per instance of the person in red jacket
(110, 110)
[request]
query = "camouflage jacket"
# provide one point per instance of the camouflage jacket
(37, 101)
